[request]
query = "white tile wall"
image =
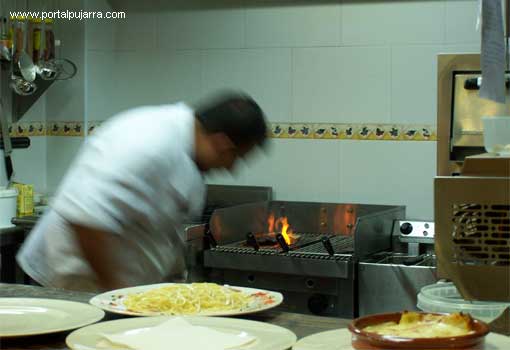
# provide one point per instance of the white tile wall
(263, 73)
(60, 153)
(388, 22)
(123, 79)
(297, 24)
(347, 84)
(461, 21)
(177, 76)
(207, 24)
(100, 85)
(134, 76)
(312, 177)
(30, 165)
(414, 84)
(65, 98)
(99, 32)
(389, 173)
(330, 61)
(369, 172)
(136, 32)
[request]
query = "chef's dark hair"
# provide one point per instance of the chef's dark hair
(237, 115)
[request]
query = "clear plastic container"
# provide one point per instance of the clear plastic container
(496, 134)
(7, 206)
(444, 297)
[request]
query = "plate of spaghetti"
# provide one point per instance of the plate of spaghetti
(183, 299)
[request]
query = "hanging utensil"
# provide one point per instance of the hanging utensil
(48, 70)
(66, 69)
(17, 142)
(27, 67)
(7, 144)
(22, 87)
(5, 53)
(5, 41)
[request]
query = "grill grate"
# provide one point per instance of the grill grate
(481, 234)
(304, 239)
(343, 247)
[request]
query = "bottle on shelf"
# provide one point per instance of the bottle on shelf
(49, 40)
(36, 39)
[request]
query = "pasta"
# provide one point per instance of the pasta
(187, 299)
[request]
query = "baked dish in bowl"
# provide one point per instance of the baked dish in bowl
(418, 330)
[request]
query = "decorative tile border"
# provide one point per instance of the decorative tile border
(373, 132)
(49, 128)
(28, 129)
(64, 129)
(93, 126)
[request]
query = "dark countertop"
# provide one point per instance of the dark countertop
(301, 325)
(11, 235)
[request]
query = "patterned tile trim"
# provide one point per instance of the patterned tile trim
(93, 126)
(381, 132)
(28, 129)
(49, 128)
(64, 128)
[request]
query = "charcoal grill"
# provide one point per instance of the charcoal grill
(317, 272)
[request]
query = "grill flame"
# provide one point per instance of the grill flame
(285, 227)
(282, 224)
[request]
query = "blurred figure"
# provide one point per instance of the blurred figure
(115, 218)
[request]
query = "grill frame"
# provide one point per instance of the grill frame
(318, 278)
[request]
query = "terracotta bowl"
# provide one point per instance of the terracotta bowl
(362, 340)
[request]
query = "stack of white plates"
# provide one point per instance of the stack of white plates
(31, 316)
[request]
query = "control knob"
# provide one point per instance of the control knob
(406, 228)
(318, 304)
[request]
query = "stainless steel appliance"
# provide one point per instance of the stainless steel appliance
(459, 125)
(472, 189)
(217, 197)
(307, 251)
(391, 281)
(472, 210)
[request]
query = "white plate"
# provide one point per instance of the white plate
(33, 316)
(113, 301)
(268, 336)
(340, 339)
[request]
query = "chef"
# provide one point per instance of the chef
(114, 220)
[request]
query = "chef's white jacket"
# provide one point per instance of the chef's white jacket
(134, 177)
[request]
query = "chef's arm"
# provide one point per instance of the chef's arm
(98, 247)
